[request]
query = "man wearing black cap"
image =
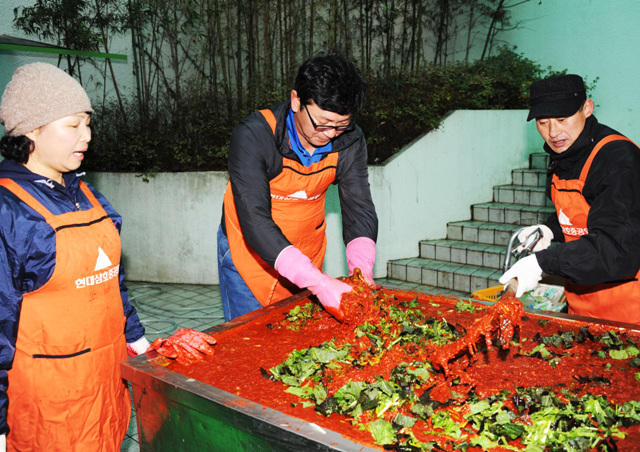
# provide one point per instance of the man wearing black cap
(594, 182)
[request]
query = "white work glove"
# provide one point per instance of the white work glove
(3, 443)
(138, 347)
(526, 271)
(526, 236)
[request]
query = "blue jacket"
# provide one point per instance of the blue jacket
(28, 255)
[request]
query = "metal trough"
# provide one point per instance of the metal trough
(177, 413)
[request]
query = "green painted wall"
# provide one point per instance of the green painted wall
(592, 38)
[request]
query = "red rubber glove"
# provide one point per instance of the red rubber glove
(185, 346)
(361, 253)
(299, 269)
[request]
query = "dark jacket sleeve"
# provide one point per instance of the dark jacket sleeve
(552, 221)
(611, 249)
(359, 217)
(553, 224)
(253, 160)
(10, 299)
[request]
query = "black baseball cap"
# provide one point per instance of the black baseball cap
(556, 97)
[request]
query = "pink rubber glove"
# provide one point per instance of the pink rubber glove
(299, 269)
(361, 253)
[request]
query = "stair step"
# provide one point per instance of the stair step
(397, 284)
(521, 194)
(530, 177)
(462, 252)
(481, 232)
(472, 255)
(517, 214)
(539, 161)
(460, 277)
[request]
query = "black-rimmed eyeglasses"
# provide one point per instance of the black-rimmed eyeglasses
(323, 128)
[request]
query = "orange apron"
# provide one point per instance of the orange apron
(297, 207)
(617, 301)
(65, 389)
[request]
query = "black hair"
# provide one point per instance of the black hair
(333, 82)
(16, 148)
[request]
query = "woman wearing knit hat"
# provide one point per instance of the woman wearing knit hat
(60, 383)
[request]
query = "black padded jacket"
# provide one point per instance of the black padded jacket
(611, 250)
(256, 156)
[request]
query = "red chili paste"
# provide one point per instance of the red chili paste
(491, 356)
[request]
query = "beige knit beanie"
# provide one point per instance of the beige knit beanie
(37, 94)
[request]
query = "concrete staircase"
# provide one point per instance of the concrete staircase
(472, 255)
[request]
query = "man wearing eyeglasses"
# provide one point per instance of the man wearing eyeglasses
(271, 241)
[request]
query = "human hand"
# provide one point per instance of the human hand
(361, 253)
(527, 236)
(329, 291)
(527, 271)
(137, 347)
(185, 346)
(299, 269)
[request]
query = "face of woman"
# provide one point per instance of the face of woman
(59, 146)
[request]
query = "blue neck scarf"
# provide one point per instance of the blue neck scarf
(294, 142)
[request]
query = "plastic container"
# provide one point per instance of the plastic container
(547, 297)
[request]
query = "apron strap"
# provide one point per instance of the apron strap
(25, 197)
(35, 204)
(89, 194)
(600, 145)
(271, 118)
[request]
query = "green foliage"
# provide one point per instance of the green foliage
(405, 106)
(194, 136)
(67, 23)
(200, 67)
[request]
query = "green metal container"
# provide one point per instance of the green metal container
(177, 413)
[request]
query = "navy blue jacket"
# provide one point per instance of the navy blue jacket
(28, 254)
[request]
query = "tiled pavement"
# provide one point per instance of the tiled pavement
(164, 308)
